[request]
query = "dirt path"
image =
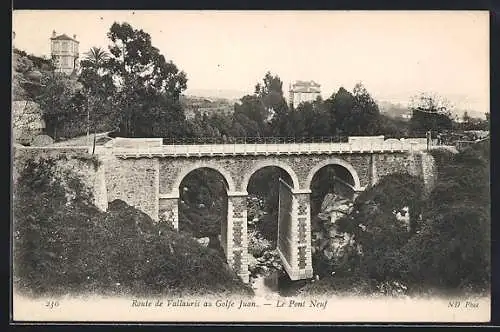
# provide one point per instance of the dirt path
(101, 138)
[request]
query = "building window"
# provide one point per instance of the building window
(64, 62)
(65, 46)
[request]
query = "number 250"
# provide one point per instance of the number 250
(52, 304)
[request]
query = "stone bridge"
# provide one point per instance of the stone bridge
(147, 174)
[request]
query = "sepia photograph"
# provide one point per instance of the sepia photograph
(250, 166)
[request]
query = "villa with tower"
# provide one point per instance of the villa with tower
(303, 91)
(64, 50)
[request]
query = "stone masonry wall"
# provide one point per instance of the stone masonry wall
(239, 168)
(151, 185)
(169, 211)
(419, 164)
(396, 162)
(76, 160)
(135, 181)
(428, 171)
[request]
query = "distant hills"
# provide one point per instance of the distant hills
(393, 110)
(208, 105)
(473, 114)
(398, 110)
(230, 95)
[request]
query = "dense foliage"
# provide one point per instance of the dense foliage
(377, 230)
(430, 113)
(203, 206)
(264, 185)
(452, 250)
(65, 245)
(445, 246)
(134, 90)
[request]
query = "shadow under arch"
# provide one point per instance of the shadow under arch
(203, 205)
(263, 164)
(333, 162)
(264, 185)
(226, 175)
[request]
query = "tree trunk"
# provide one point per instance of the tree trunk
(93, 145)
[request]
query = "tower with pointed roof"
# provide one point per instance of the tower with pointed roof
(303, 91)
(64, 51)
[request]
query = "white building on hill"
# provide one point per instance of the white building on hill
(303, 91)
(64, 50)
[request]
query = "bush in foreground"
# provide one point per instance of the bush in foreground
(446, 249)
(65, 245)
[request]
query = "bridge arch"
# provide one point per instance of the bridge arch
(215, 167)
(333, 161)
(270, 163)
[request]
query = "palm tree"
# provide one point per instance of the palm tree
(94, 59)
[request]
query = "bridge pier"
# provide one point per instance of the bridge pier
(169, 210)
(301, 267)
(234, 237)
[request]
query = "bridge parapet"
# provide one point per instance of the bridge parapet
(153, 149)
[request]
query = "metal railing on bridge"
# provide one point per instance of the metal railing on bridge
(252, 140)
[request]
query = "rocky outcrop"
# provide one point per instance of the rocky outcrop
(263, 258)
(334, 207)
(327, 239)
(27, 121)
(42, 140)
(263, 265)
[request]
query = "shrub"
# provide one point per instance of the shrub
(448, 248)
(63, 244)
(257, 245)
(200, 222)
(376, 229)
(452, 251)
(268, 226)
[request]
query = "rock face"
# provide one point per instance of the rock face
(42, 140)
(263, 257)
(328, 202)
(327, 239)
(333, 207)
(263, 265)
(27, 121)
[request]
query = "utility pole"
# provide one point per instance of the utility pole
(93, 145)
(88, 120)
(429, 138)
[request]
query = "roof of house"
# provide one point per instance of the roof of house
(64, 37)
(306, 83)
(305, 86)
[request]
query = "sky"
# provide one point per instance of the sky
(395, 55)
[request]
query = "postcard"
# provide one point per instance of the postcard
(250, 166)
